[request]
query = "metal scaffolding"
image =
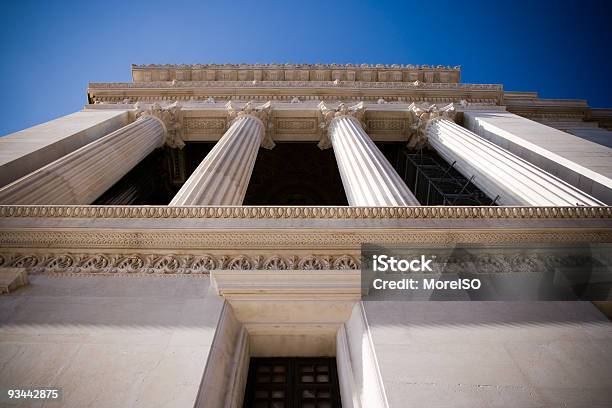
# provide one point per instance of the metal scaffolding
(435, 182)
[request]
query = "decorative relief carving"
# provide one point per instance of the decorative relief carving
(263, 113)
(337, 96)
(296, 124)
(256, 212)
(327, 115)
(295, 66)
(423, 114)
(296, 84)
(170, 264)
(171, 117)
(390, 125)
(266, 241)
(196, 124)
(276, 262)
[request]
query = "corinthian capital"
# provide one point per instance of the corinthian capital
(171, 117)
(263, 113)
(422, 114)
(327, 115)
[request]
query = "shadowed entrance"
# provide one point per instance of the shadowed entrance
(295, 174)
(292, 383)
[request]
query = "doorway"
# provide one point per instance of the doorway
(292, 382)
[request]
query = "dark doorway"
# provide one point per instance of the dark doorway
(292, 382)
(295, 174)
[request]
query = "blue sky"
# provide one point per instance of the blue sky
(51, 50)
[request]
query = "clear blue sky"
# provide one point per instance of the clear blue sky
(50, 50)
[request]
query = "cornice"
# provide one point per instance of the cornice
(530, 105)
(293, 90)
(290, 212)
(303, 72)
(291, 84)
(298, 66)
(603, 117)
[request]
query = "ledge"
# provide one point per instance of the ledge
(293, 84)
(287, 284)
(295, 212)
(194, 240)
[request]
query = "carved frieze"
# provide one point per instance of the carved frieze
(298, 125)
(203, 124)
(170, 263)
(386, 125)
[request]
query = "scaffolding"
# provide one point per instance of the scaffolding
(435, 182)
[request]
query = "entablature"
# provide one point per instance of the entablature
(176, 240)
(289, 90)
(294, 121)
(530, 105)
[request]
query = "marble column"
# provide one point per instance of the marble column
(368, 177)
(83, 175)
(223, 176)
(577, 161)
(498, 172)
(27, 150)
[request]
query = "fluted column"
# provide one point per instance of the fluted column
(83, 175)
(368, 177)
(223, 176)
(499, 173)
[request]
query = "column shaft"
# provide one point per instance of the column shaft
(30, 149)
(223, 176)
(367, 176)
(83, 175)
(581, 163)
(498, 172)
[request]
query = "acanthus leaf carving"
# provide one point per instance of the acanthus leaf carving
(422, 115)
(170, 263)
(172, 118)
(262, 113)
(327, 115)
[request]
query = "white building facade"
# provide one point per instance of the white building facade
(201, 217)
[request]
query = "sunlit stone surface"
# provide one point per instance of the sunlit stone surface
(163, 305)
